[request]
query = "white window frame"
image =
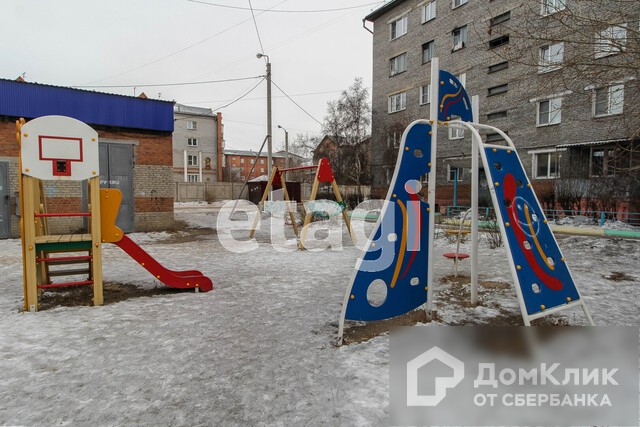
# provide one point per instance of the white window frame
(450, 169)
(429, 11)
(425, 94)
(551, 57)
(262, 161)
(398, 64)
(398, 27)
(551, 155)
(431, 50)
(555, 119)
(192, 142)
(192, 125)
(611, 40)
(549, 7)
(193, 177)
(241, 159)
(457, 3)
(615, 101)
(397, 102)
(454, 132)
(393, 139)
(192, 160)
(462, 36)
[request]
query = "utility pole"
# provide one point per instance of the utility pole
(286, 147)
(269, 133)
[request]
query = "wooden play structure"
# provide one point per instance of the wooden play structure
(56, 148)
(324, 174)
(61, 149)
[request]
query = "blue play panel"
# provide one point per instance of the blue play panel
(391, 276)
(543, 276)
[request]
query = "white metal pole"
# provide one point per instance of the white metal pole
(200, 166)
(433, 116)
(185, 165)
(475, 172)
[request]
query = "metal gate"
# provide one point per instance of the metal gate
(5, 227)
(116, 171)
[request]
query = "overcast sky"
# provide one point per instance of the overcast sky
(314, 54)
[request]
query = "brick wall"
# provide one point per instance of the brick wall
(153, 187)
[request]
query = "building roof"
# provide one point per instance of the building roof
(251, 153)
(382, 10)
(192, 111)
(31, 100)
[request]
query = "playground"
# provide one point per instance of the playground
(260, 347)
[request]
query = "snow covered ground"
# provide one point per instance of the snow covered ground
(259, 349)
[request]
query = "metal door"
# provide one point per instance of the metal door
(5, 229)
(116, 171)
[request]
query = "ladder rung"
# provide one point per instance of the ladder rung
(65, 259)
(69, 272)
(61, 285)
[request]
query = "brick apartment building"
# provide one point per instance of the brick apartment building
(135, 154)
(238, 163)
(559, 76)
(198, 144)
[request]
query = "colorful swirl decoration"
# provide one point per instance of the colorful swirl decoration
(543, 276)
(391, 275)
(453, 101)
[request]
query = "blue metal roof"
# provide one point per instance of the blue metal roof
(31, 100)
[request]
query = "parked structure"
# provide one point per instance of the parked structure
(559, 76)
(238, 163)
(134, 154)
(198, 143)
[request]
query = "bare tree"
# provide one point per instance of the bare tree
(348, 124)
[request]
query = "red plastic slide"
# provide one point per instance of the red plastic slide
(188, 279)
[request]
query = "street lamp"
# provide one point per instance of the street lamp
(269, 139)
(286, 147)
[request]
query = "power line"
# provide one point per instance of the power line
(285, 11)
(184, 48)
(240, 97)
(264, 97)
(297, 105)
(171, 84)
(255, 24)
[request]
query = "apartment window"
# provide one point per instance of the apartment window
(457, 3)
(192, 160)
(545, 165)
(427, 52)
(429, 11)
(498, 67)
(455, 173)
(602, 161)
(608, 101)
(192, 142)
(500, 19)
(399, 27)
(496, 90)
(193, 177)
(425, 94)
(241, 159)
(494, 137)
(551, 57)
(192, 125)
(459, 38)
(498, 41)
(253, 161)
(611, 40)
(262, 170)
(398, 64)
(393, 139)
(262, 161)
(454, 132)
(552, 6)
(397, 102)
(497, 115)
(549, 112)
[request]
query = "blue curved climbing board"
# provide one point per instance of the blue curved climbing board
(395, 258)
